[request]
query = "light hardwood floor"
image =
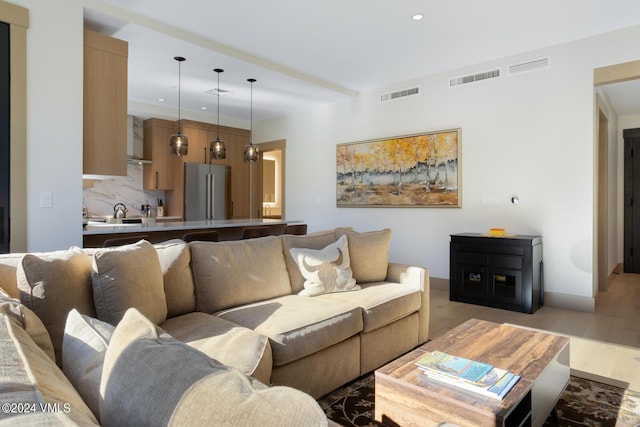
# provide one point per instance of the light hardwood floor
(604, 345)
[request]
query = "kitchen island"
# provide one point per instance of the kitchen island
(95, 233)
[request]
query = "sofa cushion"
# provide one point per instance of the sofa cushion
(317, 240)
(381, 303)
(298, 326)
(52, 284)
(179, 291)
(325, 270)
(128, 276)
(8, 268)
(29, 376)
(228, 274)
(85, 343)
(369, 253)
(225, 342)
(141, 361)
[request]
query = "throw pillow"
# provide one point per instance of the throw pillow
(53, 283)
(369, 253)
(128, 276)
(179, 290)
(83, 349)
(150, 379)
(325, 270)
(317, 240)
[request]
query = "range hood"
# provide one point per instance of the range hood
(135, 141)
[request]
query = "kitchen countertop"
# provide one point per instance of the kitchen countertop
(105, 228)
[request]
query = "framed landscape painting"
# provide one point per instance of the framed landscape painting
(421, 170)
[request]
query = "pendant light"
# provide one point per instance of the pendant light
(179, 143)
(217, 147)
(250, 150)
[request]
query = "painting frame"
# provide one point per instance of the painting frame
(420, 170)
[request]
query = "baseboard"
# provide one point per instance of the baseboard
(570, 302)
(439, 283)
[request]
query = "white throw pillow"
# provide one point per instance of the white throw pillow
(84, 346)
(325, 270)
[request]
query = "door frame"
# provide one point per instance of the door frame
(18, 19)
(280, 145)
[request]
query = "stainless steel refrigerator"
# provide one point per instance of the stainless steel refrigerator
(205, 191)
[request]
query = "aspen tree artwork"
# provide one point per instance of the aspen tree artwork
(421, 170)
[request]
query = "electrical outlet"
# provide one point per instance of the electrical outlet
(46, 199)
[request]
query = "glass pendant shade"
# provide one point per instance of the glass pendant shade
(250, 150)
(179, 143)
(250, 153)
(217, 147)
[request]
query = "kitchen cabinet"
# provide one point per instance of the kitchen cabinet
(105, 105)
(502, 272)
(199, 135)
(159, 174)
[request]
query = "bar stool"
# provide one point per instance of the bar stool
(201, 236)
(298, 229)
(253, 232)
(119, 241)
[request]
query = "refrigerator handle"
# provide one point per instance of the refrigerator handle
(208, 196)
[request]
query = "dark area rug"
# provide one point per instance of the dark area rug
(583, 403)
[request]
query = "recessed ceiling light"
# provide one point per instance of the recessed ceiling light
(417, 17)
(203, 108)
(161, 99)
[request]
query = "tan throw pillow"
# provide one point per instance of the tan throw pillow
(83, 349)
(151, 379)
(325, 270)
(369, 253)
(52, 284)
(128, 276)
(31, 323)
(179, 290)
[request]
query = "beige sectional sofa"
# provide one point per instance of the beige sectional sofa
(178, 333)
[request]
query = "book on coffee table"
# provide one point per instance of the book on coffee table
(471, 375)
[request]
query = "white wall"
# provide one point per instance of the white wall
(54, 122)
(529, 134)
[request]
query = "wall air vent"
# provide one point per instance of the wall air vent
(457, 81)
(399, 94)
(535, 64)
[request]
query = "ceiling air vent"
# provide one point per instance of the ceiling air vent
(215, 91)
(535, 64)
(399, 94)
(457, 81)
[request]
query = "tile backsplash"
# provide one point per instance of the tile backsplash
(100, 199)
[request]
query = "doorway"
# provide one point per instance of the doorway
(603, 202)
(631, 200)
(272, 179)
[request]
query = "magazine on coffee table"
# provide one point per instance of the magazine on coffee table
(477, 377)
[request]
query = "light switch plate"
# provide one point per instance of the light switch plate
(46, 199)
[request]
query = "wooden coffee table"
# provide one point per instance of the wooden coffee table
(406, 397)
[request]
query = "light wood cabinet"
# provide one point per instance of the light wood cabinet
(105, 105)
(159, 174)
(199, 135)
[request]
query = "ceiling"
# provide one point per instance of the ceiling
(310, 52)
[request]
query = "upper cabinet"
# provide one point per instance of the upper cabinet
(159, 174)
(105, 105)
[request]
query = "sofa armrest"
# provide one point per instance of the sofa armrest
(419, 277)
